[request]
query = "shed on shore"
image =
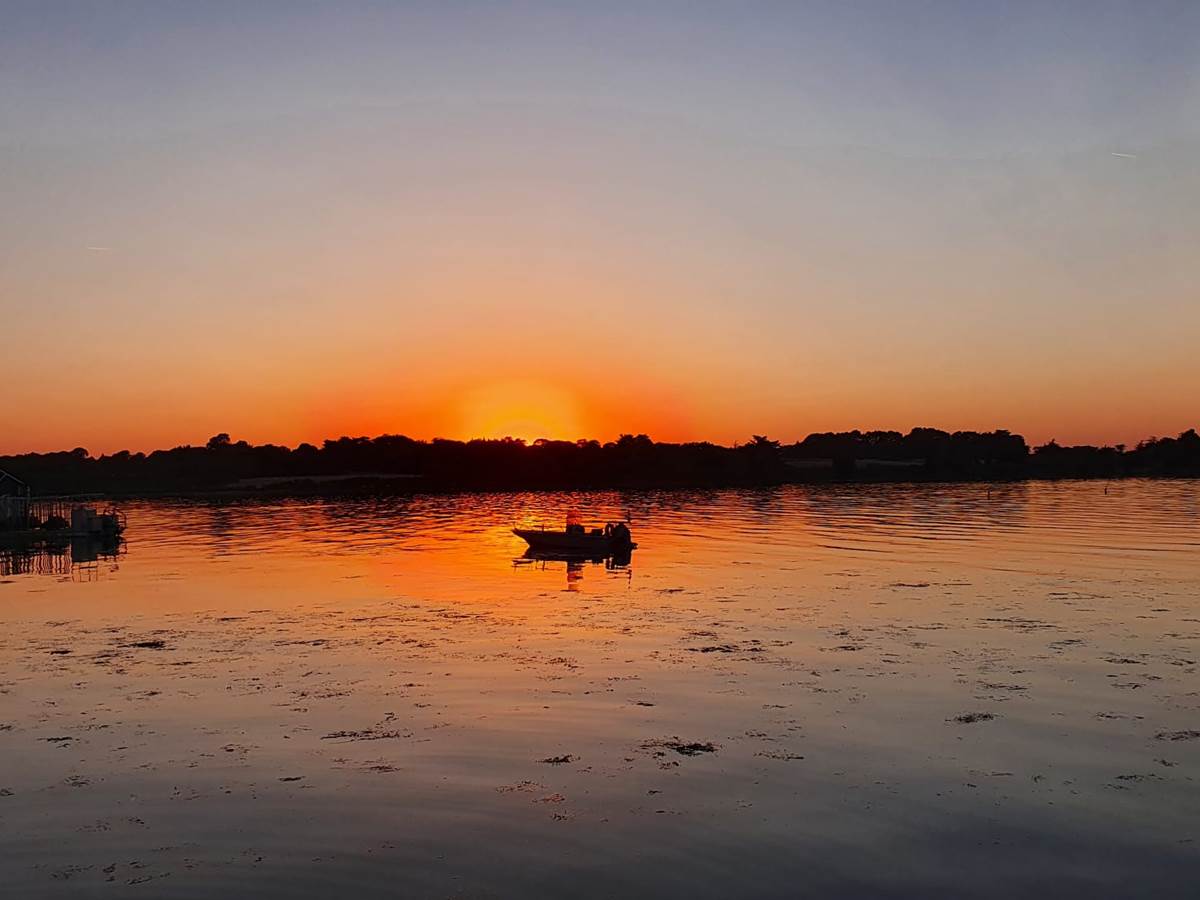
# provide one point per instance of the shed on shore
(15, 500)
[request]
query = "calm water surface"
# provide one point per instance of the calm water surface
(904, 691)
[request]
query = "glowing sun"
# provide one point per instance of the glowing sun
(520, 409)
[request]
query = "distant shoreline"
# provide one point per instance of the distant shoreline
(394, 464)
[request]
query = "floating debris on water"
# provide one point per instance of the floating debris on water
(972, 718)
(366, 734)
(683, 748)
(1177, 735)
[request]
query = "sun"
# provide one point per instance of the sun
(520, 409)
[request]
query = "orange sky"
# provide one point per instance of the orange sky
(557, 222)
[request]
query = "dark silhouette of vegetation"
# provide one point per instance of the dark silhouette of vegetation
(922, 452)
(398, 463)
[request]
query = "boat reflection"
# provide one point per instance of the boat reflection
(77, 556)
(575, 564)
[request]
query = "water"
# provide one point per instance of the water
(901, 691)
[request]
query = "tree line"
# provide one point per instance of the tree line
(396, 462)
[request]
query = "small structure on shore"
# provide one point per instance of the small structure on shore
(15, 499)
(23, 514)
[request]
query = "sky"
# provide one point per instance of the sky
(292, 221)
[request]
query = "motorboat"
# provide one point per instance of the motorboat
(575, 539)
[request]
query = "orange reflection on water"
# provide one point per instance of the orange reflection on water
(848, 656)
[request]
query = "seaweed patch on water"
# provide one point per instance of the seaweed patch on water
(750, 646)
(1189, 735)
(683, 748)
(1018, 623)
(366, 734)
(148, 645)
(972, 717)
(1001, 686)
(523, 786)
(778, 754)
(1065, 642)
(559, 760)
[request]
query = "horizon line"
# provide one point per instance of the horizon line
(229, 441)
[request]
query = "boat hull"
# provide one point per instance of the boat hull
(561, 542)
